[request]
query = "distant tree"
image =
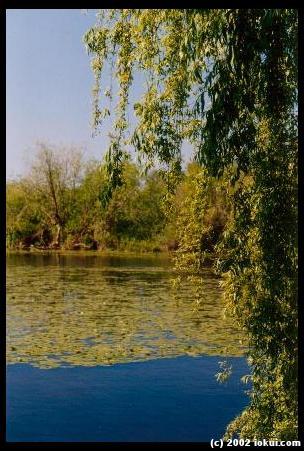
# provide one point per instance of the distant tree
(135, 209)
(53, 183)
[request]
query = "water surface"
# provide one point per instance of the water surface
(92, 310)
(170, 399)
(104, 348)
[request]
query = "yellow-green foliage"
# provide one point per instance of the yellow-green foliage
(227, 81)
(135, 211)
(22, 215)
(200, 214)
(132, 218)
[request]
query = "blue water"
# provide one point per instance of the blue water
(171, 399)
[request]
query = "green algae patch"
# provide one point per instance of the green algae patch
(88, 312)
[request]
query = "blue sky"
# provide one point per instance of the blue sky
(48, 85)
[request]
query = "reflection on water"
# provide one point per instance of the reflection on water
(92, 310)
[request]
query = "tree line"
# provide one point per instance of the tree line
(61, 204)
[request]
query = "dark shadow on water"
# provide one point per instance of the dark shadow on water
(87, 260)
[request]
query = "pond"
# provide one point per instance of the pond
(105, 348)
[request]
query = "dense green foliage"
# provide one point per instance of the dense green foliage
(200, 212)
(60, 204)
(49, 199)
(227, 81)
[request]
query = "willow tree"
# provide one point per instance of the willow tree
(226, 80)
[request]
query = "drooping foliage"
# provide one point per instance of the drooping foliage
(199, 214)
(227, 81)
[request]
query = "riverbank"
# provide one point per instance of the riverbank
(97, 253)
(129, 245)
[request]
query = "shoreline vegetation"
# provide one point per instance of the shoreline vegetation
(62, 205)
